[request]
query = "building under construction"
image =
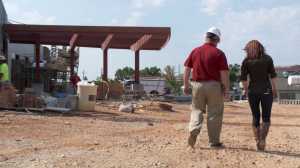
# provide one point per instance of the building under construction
(43, 58)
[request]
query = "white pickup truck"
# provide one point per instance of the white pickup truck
(150, 85)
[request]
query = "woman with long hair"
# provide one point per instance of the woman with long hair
(258, 77)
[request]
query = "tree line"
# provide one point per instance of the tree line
(173, 81)
(127, 73)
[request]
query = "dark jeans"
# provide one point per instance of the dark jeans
(263, 100)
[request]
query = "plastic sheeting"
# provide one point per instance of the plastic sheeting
(294, 80)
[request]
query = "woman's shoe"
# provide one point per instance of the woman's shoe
(256, 132)
(264, 130)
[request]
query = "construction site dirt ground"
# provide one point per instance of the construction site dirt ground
(147, 138)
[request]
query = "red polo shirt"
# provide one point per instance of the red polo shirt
(74, 80)
(206, 62)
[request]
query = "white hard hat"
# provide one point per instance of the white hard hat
(215, 31)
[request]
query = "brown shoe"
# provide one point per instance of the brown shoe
(193, 138)
(216, 145)
(256, 131)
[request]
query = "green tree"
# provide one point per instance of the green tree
(152, 71)
(171, 81)
(234, 73)
(124, 74)
(169, 73)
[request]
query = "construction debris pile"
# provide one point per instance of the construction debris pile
(30, 99)
(113, 90)
(8, 96)
(60, 59)
(53, 90)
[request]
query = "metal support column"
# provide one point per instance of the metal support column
(37, 62)
(137, 66)
(105, 65)
(72, 54)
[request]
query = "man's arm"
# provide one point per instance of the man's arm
(186, 78)
(225, 82)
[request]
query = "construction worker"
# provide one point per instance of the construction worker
(27, 73)
(210, 83)
(75, 79)
(18, 74)
(4, 72)
(258, 76)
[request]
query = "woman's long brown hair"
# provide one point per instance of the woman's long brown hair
(254, 49)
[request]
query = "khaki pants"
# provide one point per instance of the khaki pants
(207, 95)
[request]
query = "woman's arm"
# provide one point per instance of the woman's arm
(245, 86)
(273, 76)
(244, 77)
(274, 88)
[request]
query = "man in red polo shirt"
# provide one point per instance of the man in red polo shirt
(210, 84)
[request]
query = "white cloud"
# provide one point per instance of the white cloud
(211, 7)
(114, 21)
(134, 18)
(139, 10)
(18, 13)
(146, 3)
(277, 28)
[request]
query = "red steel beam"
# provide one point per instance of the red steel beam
(37, 62)
(106, 43)
(119, 41)
(152, 45)
(85, 29)
(138, 45)
(72, 54)
(74, 41)
(105, 65)
(90, 36)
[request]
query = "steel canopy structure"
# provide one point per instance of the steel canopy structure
(104, 37)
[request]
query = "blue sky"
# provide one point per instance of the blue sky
(275, 23)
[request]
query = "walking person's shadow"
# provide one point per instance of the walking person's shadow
(273, 152)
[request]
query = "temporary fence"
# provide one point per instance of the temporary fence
(289, 101)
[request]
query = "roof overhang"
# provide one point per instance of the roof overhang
(134, 38)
